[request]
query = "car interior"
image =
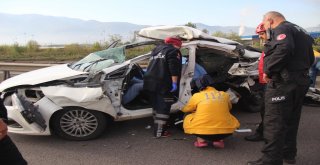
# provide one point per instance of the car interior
(141, 100)
(215, 62)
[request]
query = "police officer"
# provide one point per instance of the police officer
(161, 81)
(9, 153)
(288, 57)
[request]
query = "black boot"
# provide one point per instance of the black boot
(254, 138)
(157, 130)
(256, 162)
(289, 161)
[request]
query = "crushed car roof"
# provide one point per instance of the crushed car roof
(184, 32)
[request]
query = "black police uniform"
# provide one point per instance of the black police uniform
(9, 153)
(288, 57)
(165, 62)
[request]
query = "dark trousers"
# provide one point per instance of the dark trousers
(283, 103)
(9, 153)
(161, 105)
(259, 130)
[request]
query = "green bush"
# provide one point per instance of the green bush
(232, 36)
(317, 44)
(96, 46)
(258, 45)
(11, 52)
(32, 46)
(317, 41)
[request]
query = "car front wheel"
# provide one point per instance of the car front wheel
(79, 124)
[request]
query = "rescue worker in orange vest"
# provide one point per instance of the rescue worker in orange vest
(258, 135)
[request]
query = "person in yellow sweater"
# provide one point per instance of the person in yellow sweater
(209, 117)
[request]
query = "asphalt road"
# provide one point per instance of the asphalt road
(131, 143)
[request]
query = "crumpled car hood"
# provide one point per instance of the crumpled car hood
(40, 76)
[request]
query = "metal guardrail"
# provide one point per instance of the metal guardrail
(8, 68)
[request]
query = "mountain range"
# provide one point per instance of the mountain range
(48, 30)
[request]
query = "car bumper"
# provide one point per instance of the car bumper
(19, 125)
(30, 119)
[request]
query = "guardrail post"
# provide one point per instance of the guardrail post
(6, 74)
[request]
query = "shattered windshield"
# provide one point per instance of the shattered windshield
(97, 61)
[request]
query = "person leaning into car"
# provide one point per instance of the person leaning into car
(258, 135)
(161, 81)
(288, 57)
(208, 114)
(9, 153)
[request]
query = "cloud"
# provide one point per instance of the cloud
(317, 2)
(247, 14)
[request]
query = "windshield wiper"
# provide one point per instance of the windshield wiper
(78, 65)
(93, 63)
(113, 44)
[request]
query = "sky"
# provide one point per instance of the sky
(305, 13)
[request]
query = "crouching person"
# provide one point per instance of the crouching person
(209, 119)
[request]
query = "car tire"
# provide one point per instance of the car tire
(75, 123)
(249, 101)
(309, 101)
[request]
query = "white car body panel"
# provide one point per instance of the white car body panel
(89, 98)
(115, 67)
(251, 54)
(239, 69)
(186, 77)
(40, 76)
(79, 95)
(223, 47)
(128, 114)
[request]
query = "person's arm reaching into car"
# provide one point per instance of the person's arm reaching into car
(191, 106)
(174, 62)
(3, 129)
(174, 83)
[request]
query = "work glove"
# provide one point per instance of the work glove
(174, 87)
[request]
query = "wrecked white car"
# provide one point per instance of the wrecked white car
(76, 100)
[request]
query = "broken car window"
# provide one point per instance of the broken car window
(99, 60)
